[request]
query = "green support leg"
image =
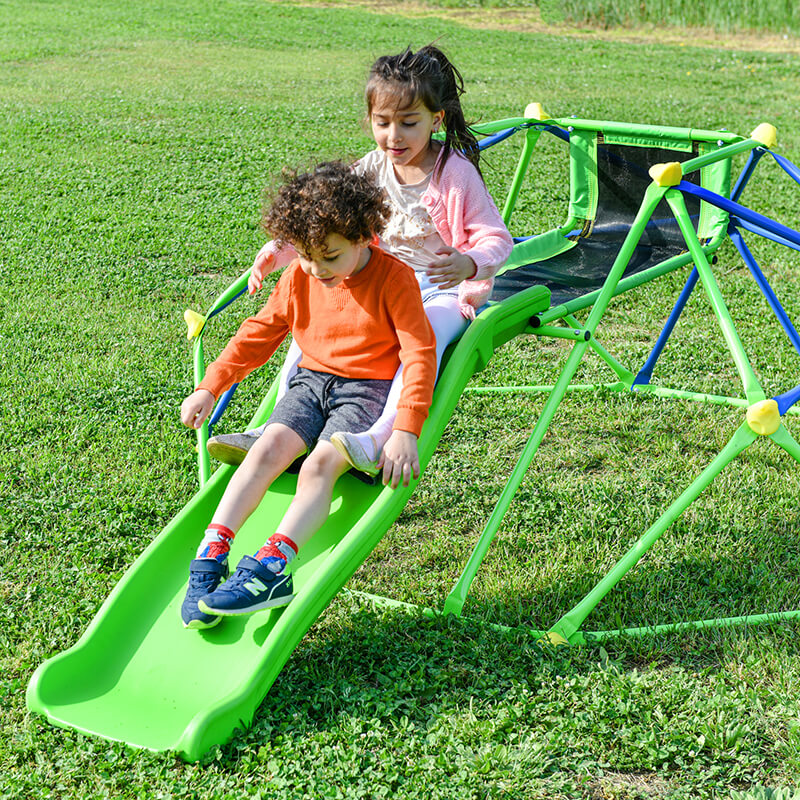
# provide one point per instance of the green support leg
(625, 375)
(784, 439)
(458, 595)
(531, 137)
(203, 459)
(752, 389)
(567, 627)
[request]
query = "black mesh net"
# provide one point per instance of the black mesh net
(622, 175)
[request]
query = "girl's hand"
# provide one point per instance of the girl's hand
(261, 266)
(450, 268)
(399, 459)
(196, 407)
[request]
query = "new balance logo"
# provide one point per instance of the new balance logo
(255, 587)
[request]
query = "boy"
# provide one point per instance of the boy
(356, 313)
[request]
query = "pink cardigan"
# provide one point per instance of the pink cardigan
(466, 218)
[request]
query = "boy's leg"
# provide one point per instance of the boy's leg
(231, 448)
(270, 456)
(362, 449)
(261, 581)
(312, 502)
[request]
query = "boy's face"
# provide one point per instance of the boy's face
(340, 259)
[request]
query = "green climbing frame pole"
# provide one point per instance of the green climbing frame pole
(455, 600)
(566, 627)
(752, 389)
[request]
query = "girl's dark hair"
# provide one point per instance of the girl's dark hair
(330, 198)
(427, 75)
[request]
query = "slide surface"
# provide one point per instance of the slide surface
(137, 676)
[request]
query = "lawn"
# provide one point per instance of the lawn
(135, 144)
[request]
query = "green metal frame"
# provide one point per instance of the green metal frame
(714, 161)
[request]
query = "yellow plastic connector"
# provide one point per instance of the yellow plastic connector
(553, 638)
(668, 174)
(765, 134)
(535, 111)
(195, 323)
(763, 417)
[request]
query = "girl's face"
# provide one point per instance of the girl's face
(339, 259)
(404, 134)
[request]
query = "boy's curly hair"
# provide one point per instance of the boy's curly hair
(330, 198)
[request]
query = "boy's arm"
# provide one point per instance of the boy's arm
(399, 459)
(418, 356)
(196, 407)
(254, 343)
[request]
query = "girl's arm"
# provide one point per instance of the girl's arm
(486, 239)
(269, 259)
(488, 243)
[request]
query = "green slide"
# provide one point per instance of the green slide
(137, 676)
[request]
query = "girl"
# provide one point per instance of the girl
(444, 224)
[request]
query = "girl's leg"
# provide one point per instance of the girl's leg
(447, 322)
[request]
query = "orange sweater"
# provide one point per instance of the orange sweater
(362, 328)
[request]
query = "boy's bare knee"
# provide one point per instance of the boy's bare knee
(278, 443)
(324, 462)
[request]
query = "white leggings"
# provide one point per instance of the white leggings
(447, 321)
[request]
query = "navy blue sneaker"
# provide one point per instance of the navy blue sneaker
(205, 575)
(251, 588)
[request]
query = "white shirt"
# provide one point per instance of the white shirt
(410, 234)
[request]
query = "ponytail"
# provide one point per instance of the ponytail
(429, 76)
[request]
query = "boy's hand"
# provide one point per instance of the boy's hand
(196, 407)
(450, 268)
(261, 267)
(400, 459)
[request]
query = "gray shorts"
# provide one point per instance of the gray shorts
(318, 404)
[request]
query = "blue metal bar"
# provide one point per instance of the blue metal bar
(646, 372)
(741, 211)
(741, 181)
(786, 400)
(559, 132)
(749, 226)
(222, 308)
(790, 169)
(497, 137)
(220, 407)
(766, 289)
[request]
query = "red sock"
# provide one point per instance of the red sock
(216, 542)
(278, 551)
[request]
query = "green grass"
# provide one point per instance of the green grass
(726, 15)
(782, 16)
(135, 143)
